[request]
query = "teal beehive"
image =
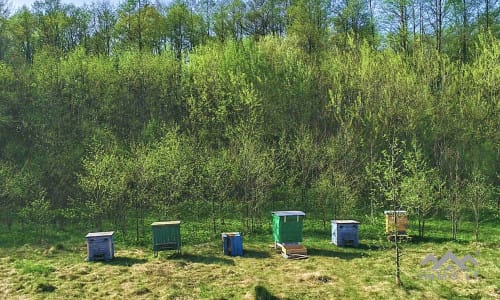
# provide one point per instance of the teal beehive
(287, 226)
(166, 236)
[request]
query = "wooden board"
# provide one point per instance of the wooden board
(293, 251)
(401, 237)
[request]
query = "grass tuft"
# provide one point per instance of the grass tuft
(142, 291)
(29, 267)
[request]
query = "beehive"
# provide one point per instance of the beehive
(287, 226)
(166, 236)
(232, 243)
(402, 222)
(100, 246)
(345, 233)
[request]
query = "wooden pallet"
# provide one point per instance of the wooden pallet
(292, 251)
(401, 237)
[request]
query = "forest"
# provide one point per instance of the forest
(229, 109)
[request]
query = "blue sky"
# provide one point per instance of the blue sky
(15, 4)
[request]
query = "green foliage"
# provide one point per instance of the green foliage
(420, 187)
(38, 212)
(186, 110)
(30, 267)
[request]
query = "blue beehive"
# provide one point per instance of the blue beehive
(345, 233)
(232, 243)
(100, 246)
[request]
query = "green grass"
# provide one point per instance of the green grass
(55, 268)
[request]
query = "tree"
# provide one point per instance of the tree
(141, 26)
(265, 17)
(217, 184)
(104, 183)
(388, 177)
(102, 22)
(420, 186)
(353, 18)
(229, 20)
(305, 162)
(23, 28)
(52, 21)
(38, 212)
(16, 188)
(308, 23)
(478, 196)
(398, 18)
(4, 13)
(168, 171)
(254, 173)
(184, 29)
(462, 16)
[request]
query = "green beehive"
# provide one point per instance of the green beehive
(166, 236)
(287, 226)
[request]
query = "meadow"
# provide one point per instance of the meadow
(53, 266)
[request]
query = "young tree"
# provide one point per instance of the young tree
(478, 196)
(388, 178)
(353, 18)
(229, 20)
(184, 28)
(398, 17)
(420, 186)
(217, 184)
(102, 23)
(308, 23)
(4, 13)
(305, 162)
(39, 213)
(104, 183)
(23, 28)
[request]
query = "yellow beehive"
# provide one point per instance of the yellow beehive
(402, 222)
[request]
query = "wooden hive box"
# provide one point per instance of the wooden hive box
(293, 251)
(345, 233)
(166, 236)
(402, 220)
(100, 246)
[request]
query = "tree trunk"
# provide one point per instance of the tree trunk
(423, 228)
(439, 25)
(396, 243)
(476, 229)
(487, 13)
(137, 219)
(464, 32)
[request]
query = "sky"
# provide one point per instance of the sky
(16, 4)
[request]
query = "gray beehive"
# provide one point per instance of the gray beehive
(100, 246)
(345, 233)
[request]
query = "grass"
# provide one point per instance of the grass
(55, 268)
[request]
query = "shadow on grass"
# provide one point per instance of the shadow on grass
(252, 253)
(376, 247)
(261, 293)
(196, 258)
(332, 253)
(408, 286)
(437, 240)
(124, 261)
